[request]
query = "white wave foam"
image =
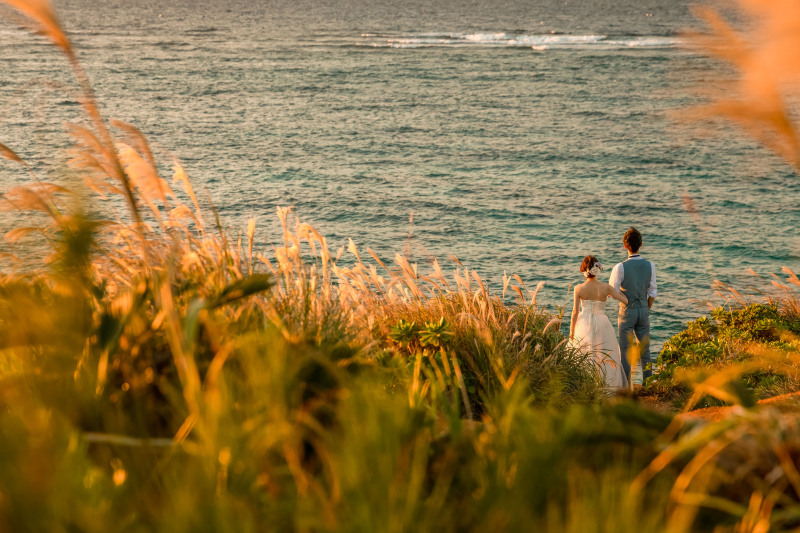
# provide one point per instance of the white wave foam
(501, 39)
(484, 37)
(647, 42)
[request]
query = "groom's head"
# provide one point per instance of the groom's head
(632, 240)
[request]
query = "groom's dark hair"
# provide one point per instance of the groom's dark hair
(632, 240)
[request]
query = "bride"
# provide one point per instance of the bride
(590, 330)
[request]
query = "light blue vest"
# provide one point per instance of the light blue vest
(635, 279)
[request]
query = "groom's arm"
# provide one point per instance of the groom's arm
(652, 288)
(615, 280)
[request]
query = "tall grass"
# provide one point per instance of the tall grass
(158, 373)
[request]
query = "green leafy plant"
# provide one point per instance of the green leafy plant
(405, 333)
(436, 333)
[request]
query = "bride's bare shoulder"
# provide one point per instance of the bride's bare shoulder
(579, 289)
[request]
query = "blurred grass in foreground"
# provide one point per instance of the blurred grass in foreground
(160, 374)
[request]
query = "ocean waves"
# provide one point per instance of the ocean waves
(512, 40)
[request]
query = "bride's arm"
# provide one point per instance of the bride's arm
(617, 295)
(574, 318)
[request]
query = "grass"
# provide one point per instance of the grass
(160, 374)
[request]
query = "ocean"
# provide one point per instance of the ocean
(517, 136)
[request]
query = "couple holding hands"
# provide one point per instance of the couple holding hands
(633, 283)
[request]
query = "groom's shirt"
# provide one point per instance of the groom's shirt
(618, 274)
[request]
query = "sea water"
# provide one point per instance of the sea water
(515, 135)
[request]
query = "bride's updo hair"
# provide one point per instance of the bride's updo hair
(588, 263)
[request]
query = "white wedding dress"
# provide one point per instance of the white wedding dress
(595, 335)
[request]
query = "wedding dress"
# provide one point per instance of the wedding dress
(594, 334)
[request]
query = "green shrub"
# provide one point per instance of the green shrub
(727, 337)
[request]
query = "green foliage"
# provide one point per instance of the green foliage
(435, 333)
(727, 337)
(405, 333)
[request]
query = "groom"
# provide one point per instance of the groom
(636, 278)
